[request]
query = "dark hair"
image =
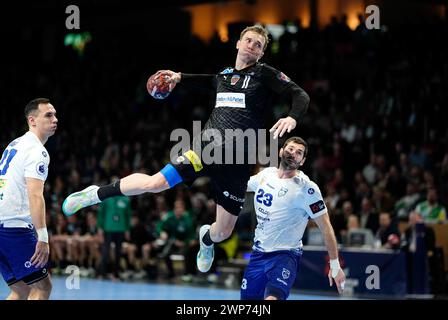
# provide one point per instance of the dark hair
(297, 140)
(33, 105)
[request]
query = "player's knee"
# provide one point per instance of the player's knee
(19, 293)
(42, 289)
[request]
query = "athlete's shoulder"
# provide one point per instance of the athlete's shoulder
(307, 183)
(274, 74)
(268, 170)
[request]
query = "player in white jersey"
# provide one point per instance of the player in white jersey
(285, 199)
(24, 248)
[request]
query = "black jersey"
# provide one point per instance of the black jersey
(242, 97)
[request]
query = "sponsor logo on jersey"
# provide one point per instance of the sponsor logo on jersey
(310, 191)
(234, 79)
(282, 192)
(270, 186)
(40, 168)
(231, 99)
(317, 206)
(286, 273)
(44, 153)
(231, 196)
(283, 77)
(227, 71)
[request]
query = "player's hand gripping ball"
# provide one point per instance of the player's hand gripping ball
(160, 85)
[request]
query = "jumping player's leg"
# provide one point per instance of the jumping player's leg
(222, 228)
(139, 183)
(219, 231)
(19, 291)
(229, 184)
(134, 184)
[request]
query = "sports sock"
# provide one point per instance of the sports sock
(111, 190)
(206, 239)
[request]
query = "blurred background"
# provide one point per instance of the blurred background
(378, 139)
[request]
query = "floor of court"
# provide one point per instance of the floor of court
(93, 289)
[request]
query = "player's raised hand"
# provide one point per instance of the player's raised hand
(283, 125)
(41, 253)
(174, 76)
(339, 278)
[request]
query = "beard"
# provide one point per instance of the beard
(287, 162)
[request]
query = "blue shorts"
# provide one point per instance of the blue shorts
(270, 274)
(17, 246)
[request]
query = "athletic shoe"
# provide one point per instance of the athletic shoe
(79, 200)
(206, 254)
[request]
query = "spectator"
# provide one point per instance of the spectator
(368, 216)
(387, 234)
(114, 219)
(430, 209)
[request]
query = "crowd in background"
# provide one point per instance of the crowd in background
(378, 140)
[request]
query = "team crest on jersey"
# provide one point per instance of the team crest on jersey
(286, 273)
(40, 168)
(234, 79)
(227, 71)
(282, 192)
(27, 264)
(283, 77)
(310, 191)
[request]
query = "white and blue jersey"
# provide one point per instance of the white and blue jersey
(25, 157)
(283, 208)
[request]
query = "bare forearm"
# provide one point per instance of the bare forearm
(330, 242)
(37, 211)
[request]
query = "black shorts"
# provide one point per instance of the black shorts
(229, 181)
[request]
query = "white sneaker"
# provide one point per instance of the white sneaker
(206, 254)
(79, 200)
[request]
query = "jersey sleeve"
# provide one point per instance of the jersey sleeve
(36, 163)
(313, 203)
(280, 83)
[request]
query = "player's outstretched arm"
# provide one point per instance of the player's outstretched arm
(35, 188)
(196, 80)
(336, 273)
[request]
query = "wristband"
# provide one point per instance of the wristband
(334, 267)
(42, 235)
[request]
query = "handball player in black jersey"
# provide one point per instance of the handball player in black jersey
(243, 93)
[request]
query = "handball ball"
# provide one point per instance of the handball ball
(159, 85)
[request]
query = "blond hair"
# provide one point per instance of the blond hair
(260, 30)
